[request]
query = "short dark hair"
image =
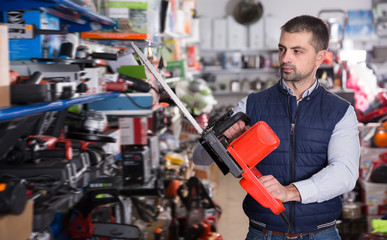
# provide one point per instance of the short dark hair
(317, 26)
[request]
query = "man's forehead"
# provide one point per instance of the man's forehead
(296, 39)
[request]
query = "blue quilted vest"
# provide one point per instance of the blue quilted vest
(302, 152)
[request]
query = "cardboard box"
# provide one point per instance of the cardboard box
(177, 68)
(219, 36)
(236, 34)
(374, 196)
(131, 15)
(272, 31)
(257, 35)
(17, 227)
(154, 147)
(368, 155)
(136, 19)
(112, 148)
(4, 68)
(44, 46)
(136, 71)
(138, 104)
(205, 33)
(96, 76)
(133, 130)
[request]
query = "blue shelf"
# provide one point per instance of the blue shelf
(25, 110)
(77, 17)
(8, 5)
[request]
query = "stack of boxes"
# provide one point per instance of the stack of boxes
(373, 195)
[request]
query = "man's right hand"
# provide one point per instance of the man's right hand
(236, 130)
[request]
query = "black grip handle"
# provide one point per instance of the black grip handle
(106, 56)
(51, 153)
(225, 123)
(35, 78)
(74, 144)
(135, 83)
(50, 32)
(66, 50)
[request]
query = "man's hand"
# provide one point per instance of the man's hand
(236, 130)
(282, 193)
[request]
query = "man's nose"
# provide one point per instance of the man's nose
(286, 57)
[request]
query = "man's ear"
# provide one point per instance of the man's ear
(320, 57)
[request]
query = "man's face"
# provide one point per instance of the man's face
(297, 56)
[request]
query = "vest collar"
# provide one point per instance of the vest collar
(285, 89)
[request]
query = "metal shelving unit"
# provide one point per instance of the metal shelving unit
(241, 71)
(26, 110)
(71, 13)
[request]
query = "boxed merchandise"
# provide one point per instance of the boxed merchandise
(44, 46)
(177, 68)
(110, 147)
(236, 34)
(4, 69)
(136, 19)
(17, 226)
(133, 130)
(125, 104)
(96, 82)
(256, 35)
(132, 16)
(206, 39)
(374, 196)
(219, 36)
(368, 156)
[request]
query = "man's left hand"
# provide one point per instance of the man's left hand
(280, 192)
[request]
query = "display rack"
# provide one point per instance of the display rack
(77, 17)
(145, 43)
(240, 71)
(25, 110)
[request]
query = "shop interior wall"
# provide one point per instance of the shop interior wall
(278, 11)
(282, 10)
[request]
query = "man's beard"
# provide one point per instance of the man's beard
(294, 76)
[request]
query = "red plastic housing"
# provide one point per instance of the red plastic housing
(248, 150)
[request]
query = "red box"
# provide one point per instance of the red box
(133, 130)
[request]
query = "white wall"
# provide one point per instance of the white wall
(283, 9)
(275, 14)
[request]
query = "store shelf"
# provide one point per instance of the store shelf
(240, 71)
(25, 110)
(8, 5)
(114, 35)
(220, 94)
(174, 35)
(243, 51)
(128, 104)
(77, 17)
(173, 80)
(123, 42)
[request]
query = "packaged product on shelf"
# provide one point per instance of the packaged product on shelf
(44, 46)
(135, 19)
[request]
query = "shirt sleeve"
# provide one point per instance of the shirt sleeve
(342, 171)
(200, 155)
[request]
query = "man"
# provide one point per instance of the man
(318, 156)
